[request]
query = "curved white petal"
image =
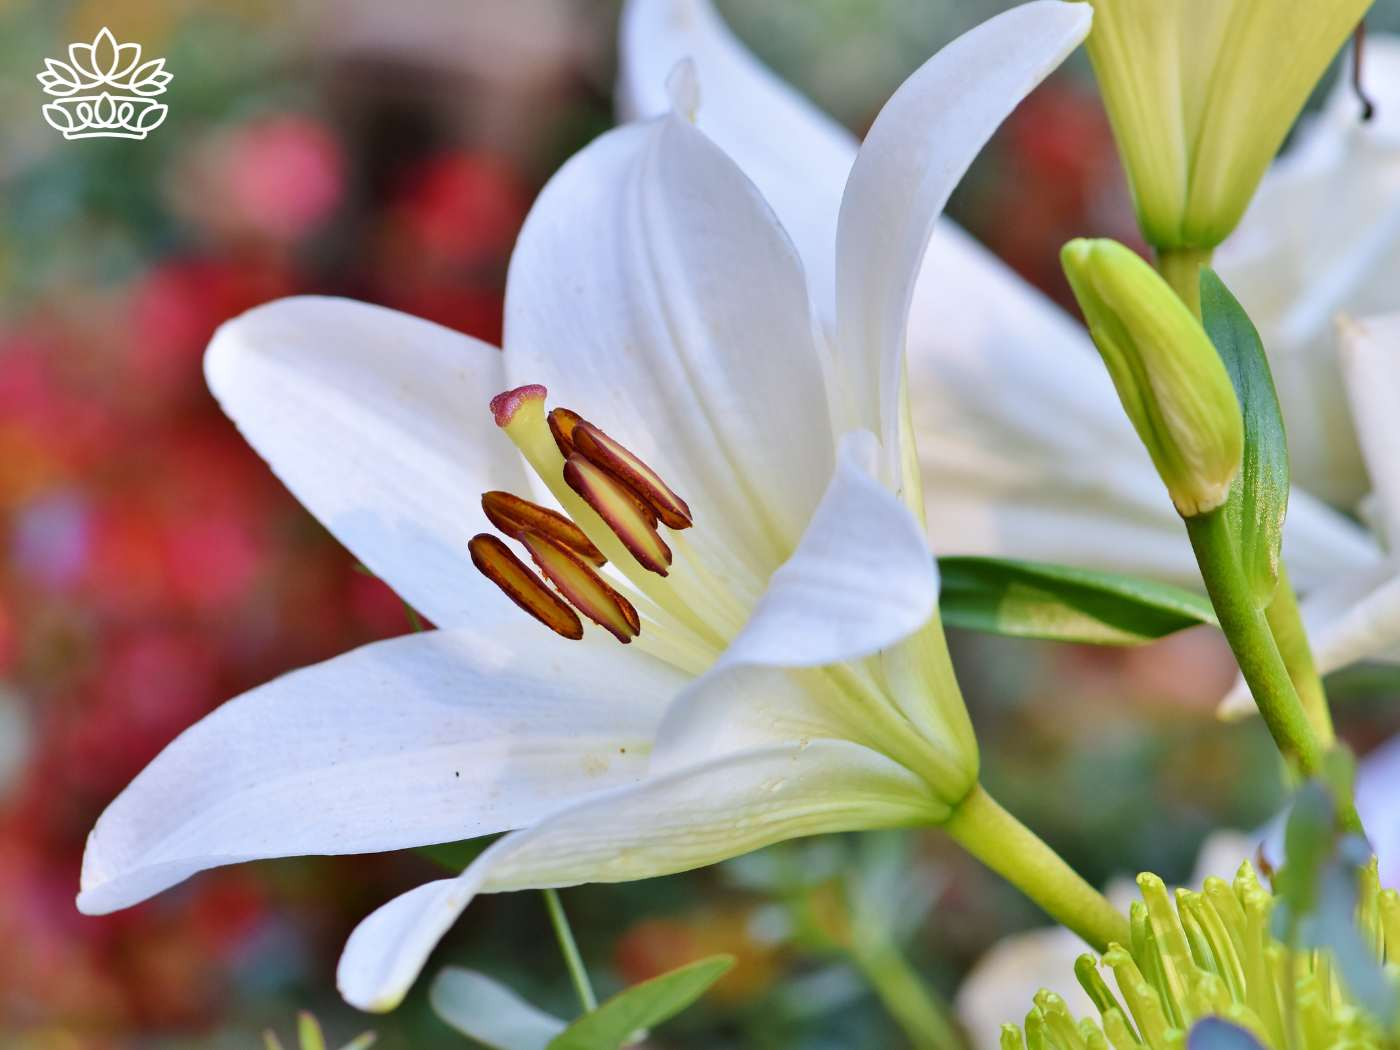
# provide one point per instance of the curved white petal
(490, 1013)
(1371, 366)
(918, 149)
(1377, 788)
(671, 823)
(653, 292)
(421, 739)
(796, 155)
(861, 579)
(378, 424)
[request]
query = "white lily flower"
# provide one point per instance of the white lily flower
(1002, 983)
(1024, 449)
(786, 673)
(1322, 238)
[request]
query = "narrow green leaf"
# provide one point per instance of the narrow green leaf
(309, 1032)
(1215, 1034)
(485, 1010)
(1259, 497)
(1060, 603)
(642, 1006)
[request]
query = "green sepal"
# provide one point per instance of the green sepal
(1060, 603)
(1259, 496)
(642, 1006)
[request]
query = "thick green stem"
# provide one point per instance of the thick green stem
(1181, 268)
(1291, 636)
(578, 973)
(923, 1018)
(1012, 850)
(1252, 641)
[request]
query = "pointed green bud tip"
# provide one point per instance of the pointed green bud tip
(1200, 101)
(1210, 955)
(1169, 377)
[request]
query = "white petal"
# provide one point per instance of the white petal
(421, 739)
(796, 154)
(861, 579)
(915, 154)
(1377, 789)
(1000, 987)
(653, 292)
(672, 823)
(490, 1013)
(1371, 366)
(378, 423)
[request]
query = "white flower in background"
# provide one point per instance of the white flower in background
(786, 673)
(1024, 449)
(1321, 238)
(1002, 984)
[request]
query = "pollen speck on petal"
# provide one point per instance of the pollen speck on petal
(496, 562)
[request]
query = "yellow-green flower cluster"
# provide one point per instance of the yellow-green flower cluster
(1211, 954)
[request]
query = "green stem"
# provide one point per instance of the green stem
(577, 972)
(1008, 847)
(1181, 268)
(1252, 641)
(922, 1017)
(1286, 623)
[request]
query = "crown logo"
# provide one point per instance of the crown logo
(104, 90)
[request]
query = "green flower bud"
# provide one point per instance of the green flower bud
(1201, 94)
(1169, 377)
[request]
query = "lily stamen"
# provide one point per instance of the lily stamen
(513, 516)
(613, 505)
(499, 565)
(586, 591)
(604, 452)
(631, 519)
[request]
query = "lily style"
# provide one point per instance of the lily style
(729, 635)
(1024, 450)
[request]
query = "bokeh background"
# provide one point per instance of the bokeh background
(151, 566)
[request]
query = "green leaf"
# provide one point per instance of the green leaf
(1259, 496)
(1057, 602)
(622, 1017)
(1215, 1034)
(485, 1010)
(309, 1032)
(455, 856)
